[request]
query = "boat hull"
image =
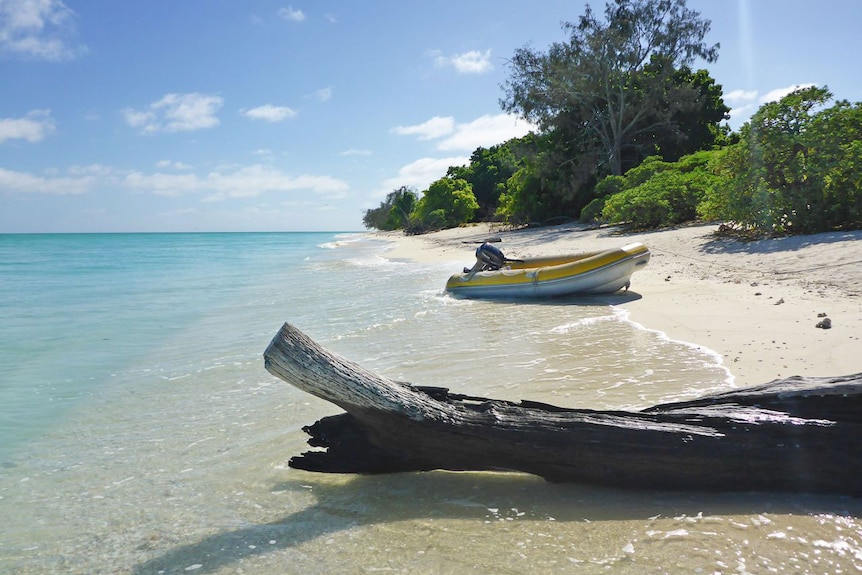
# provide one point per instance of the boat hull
(577, 274)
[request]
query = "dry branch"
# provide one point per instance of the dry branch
(795, 434)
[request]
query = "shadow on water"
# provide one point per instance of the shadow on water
(469, 496)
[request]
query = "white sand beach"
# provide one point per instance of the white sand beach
(756, 303)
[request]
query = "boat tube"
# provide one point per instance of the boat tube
(601, 272)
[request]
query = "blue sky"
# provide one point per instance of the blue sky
(218, 115)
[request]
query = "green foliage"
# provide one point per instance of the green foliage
(554, 179)
(593, 211)
(659, 193)
(487, 173)
(696, 119)
(446, 203)
(796, 169)
(612, 85)
(662, 200)
(393, 212)
(617, 90)
(522, 198)
(608, 187)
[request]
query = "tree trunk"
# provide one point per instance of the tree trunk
(795, 434)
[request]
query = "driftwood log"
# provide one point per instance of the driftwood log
(799, 434)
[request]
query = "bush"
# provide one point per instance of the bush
(657, 193)
(644, 206)
(794, 170)
(592, 212)
(447, 203)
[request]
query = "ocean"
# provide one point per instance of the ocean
(141, 434)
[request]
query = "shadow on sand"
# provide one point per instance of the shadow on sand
(723, 245)
(468, 496)
(613, 299)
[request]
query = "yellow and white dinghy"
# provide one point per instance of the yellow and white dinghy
(496, 276)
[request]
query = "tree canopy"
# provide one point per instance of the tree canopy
(394, 212)
(613, 80)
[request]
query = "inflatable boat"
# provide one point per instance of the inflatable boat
(496, 276)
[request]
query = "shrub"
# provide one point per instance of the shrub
(446, 203)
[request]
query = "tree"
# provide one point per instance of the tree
(554, 180)
(697, 126)
(613, 80)
(487, 173)
(403, 201)
(446, 203)
(393, 212)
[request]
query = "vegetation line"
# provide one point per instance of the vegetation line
(626, 131)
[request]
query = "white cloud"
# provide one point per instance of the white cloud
(355, 152)
(167, 164)
(744, 103)
(96, 170)
(270, 113)
(163, 184)
(40, 29)
(472, 62)
(291, 14)
(55, 185)
(33, 127)
(137, 118)
(176, 113)
(436, 127)
(421, 173)
(741, 114)
(245, 182)
(740, 96)
(778, 93)
(323, 95)
(486, 131)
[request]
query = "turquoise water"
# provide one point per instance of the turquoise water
(78, 310)
(140, 433)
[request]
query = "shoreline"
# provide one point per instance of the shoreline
(756, 304)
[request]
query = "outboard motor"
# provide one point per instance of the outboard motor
(490, 257)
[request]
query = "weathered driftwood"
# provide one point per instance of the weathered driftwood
(796, 434)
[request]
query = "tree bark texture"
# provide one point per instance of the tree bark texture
(797, 434)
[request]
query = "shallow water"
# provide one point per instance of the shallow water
(141, 433)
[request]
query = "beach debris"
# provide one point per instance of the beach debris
(797, 434)
(825, 323)
(779, 302)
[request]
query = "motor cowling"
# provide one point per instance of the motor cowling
(490, 256)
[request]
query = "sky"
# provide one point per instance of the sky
(299, 115)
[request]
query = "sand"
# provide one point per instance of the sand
(757, 304)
